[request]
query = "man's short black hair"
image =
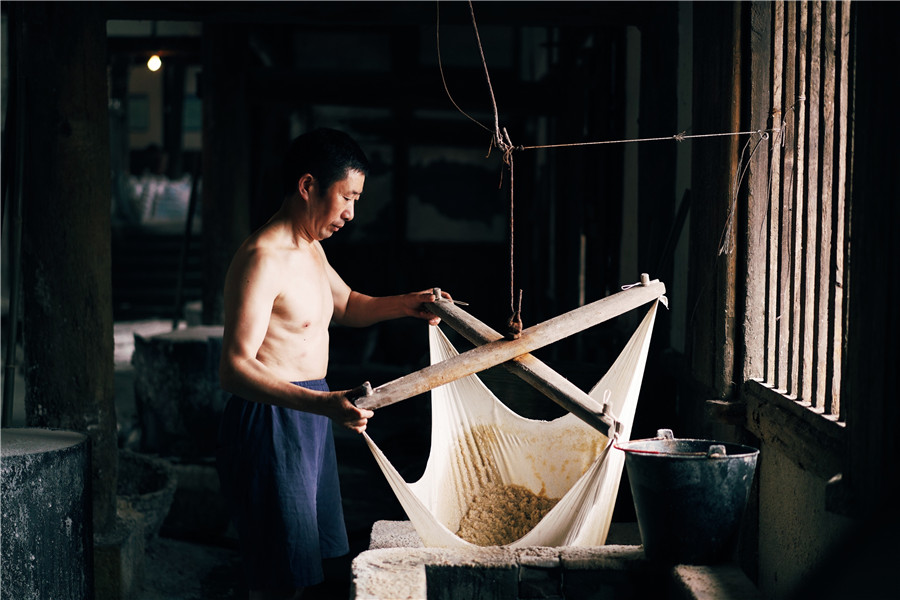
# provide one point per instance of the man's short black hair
(326, 154)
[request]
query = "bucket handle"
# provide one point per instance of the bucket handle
(714, 451)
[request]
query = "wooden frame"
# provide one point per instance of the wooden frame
(498, 350)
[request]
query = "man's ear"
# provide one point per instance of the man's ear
(305, 185)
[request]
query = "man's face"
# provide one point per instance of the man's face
(334, 207)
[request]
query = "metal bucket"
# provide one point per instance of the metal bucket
(689, 496)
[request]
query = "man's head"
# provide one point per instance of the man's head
(326, 154)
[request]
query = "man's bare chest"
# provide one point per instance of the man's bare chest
(305, 298)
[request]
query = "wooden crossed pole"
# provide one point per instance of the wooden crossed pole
(493, 349)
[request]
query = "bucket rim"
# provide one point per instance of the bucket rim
(744, 450)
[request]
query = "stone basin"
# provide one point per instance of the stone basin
(147, 485)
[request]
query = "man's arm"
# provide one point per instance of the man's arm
(354, 309)
(362, 310)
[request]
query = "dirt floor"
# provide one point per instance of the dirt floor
(180, 569)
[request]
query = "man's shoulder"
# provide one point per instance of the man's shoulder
(257, 254)
(263, 253)
(268, 242)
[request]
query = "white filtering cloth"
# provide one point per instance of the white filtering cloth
(476, 441)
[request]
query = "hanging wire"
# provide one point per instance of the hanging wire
(779, 139)
(678, 137)
(505, 145)
(444, 79)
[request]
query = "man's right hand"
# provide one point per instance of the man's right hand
(348, 414)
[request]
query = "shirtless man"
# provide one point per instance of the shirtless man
(276, 452)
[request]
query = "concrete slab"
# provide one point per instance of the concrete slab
(398, 566)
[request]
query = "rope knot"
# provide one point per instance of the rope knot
(514, 324)
(504, 143)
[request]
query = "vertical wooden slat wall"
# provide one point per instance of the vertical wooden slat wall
(808, 173)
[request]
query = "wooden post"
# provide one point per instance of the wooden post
(717, 69)
(502, 350)
(870, 368)
(66, 234)
(226, 158)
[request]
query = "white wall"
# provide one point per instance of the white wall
(795, 531)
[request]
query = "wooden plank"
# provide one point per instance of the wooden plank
(755, 239)
(500, 351)
(529, 368)
(824, 299)
(778, 112)
(785, 276)
(810, 194)
(797, 247)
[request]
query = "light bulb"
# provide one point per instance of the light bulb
(154, 63)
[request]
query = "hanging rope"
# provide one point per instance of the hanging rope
(503, 142)
(726, 240)
(779, 139)
(514, 325)
(497, 140)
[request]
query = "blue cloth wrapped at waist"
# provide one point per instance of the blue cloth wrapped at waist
(278, 472)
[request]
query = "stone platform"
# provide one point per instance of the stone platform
(398, 566)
